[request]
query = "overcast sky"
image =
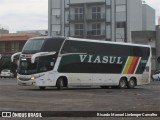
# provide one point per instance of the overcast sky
(17, 15)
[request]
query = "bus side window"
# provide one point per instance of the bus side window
(65, 48)
(73, 50)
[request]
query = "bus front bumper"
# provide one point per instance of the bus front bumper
(26, 83)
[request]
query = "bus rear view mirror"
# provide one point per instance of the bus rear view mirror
(158, 59)
(15, 56)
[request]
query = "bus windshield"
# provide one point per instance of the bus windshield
(26, 67)
(33, 45)
(42, 64)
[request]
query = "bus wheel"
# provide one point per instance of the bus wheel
(42, 88)
(122, 83)
(60, 84)
(131, 83)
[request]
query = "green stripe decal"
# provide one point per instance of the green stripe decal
(142, 65)
(84, 63)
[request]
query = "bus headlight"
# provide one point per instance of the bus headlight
(32, 77)
(17, 76)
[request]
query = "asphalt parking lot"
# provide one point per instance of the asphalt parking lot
(20, 98)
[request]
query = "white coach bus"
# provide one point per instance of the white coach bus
(71, 62)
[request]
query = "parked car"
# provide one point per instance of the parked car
(6, 73)
(156, 75)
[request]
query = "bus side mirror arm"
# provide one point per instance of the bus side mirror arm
(13, 56)
(40, 54)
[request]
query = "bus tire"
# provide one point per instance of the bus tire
(131, 83)
(42, 88)
(60, 83)
(122, 83)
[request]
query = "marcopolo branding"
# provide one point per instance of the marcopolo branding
(101, 59)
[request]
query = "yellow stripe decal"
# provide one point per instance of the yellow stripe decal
(128, 65)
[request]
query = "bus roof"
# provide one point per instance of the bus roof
(47, 37)
(92, 40)
(110, 42)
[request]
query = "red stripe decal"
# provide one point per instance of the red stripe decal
(133, 65)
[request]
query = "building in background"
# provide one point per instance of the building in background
(111, 20)
(12, 43)
(4, 31)
(151, 38)
(146, 38)
(148, 18)
(38, 32)
(159, 20)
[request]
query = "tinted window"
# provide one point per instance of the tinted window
(52, 45)
(44, 64)
(94, 48)
(104, 49)
(121, 24)
(141, 51)
(33, 45)
(26, 67)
